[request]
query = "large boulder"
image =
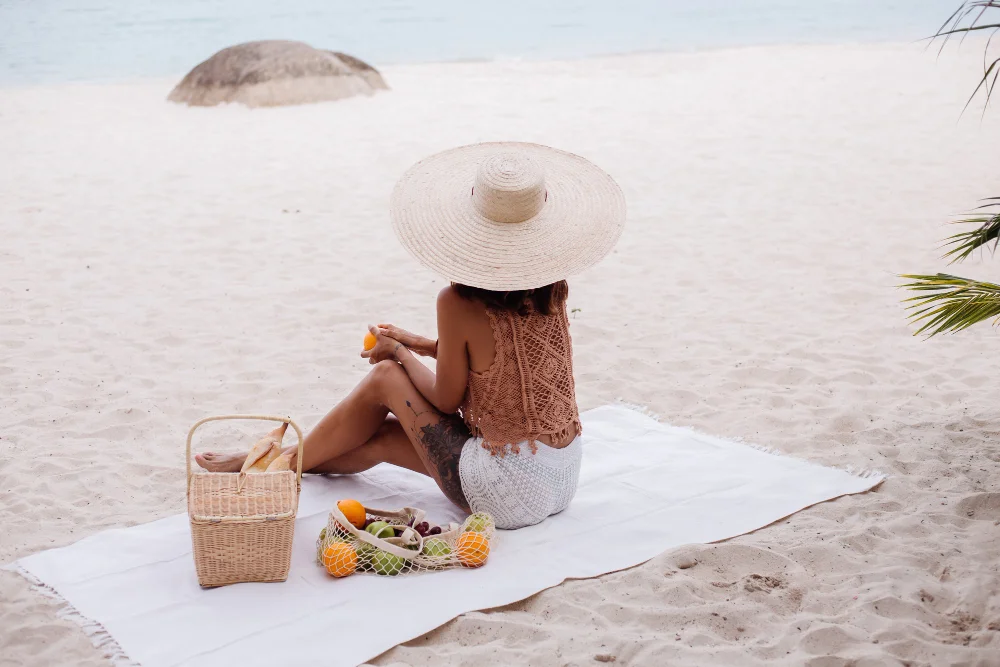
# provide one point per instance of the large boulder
(276, 73)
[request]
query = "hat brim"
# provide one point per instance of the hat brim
(434, 218)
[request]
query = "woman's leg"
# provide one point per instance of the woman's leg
(434, 438)
(390, 444)
(356, 432)
(350, 424)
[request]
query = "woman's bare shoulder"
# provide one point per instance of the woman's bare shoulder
(467, 316)
(467, 320)
(452, 304)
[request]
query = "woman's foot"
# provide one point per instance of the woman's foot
(220, 462)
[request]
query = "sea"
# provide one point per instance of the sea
(46, 41)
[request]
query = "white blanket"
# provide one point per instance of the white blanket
(645, 487)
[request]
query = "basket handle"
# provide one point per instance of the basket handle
(268, 418)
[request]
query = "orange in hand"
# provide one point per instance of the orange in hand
(472, 549)
(340, 559)
(354, 511)
(369, 341)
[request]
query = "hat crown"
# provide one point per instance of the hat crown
(509, 187)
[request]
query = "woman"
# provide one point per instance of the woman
(496, 425)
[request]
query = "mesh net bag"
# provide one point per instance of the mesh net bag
(395, 542)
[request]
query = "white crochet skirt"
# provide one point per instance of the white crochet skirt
(521, 489)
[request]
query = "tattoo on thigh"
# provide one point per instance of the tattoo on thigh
(443, 440)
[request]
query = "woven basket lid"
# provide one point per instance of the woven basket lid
(507, 215)
(218, 496)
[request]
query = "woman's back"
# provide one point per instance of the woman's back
(526, 393)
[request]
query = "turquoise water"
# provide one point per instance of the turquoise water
(66, 40)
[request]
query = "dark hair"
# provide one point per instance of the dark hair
(543, 300)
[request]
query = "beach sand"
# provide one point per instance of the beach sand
(161, 263)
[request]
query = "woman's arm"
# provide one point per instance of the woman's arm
(446, 388)
(425, 347)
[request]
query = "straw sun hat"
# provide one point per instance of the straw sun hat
(507, 215)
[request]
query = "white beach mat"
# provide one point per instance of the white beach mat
(645, 487)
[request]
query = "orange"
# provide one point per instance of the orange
(472, 549)
(340, 559)
(353, 511)
(369, 341)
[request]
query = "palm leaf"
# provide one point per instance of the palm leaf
(948, 304)
(987, 230)
(964, 20)
(944, 303)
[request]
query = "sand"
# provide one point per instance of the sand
(160, 263)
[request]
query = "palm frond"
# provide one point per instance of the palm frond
(968, 29)
(987, 230)
(964, 20)
(948, 304)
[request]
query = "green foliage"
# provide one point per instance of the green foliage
(948, 304)
(966, 19)
(987, 230)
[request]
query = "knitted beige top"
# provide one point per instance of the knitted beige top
(528, 391)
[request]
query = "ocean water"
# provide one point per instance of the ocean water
(73, 40)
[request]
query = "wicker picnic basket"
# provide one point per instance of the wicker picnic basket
(242, 524)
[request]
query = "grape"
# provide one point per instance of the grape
(436, 530)
(422, 527)
(410, 522)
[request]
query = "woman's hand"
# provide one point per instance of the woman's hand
(385, 346)
(417, 344)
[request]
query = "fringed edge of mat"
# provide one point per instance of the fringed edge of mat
(98, 636)
(875, 475)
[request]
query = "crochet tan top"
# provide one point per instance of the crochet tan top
(528, 391)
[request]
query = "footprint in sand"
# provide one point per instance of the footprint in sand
(827, 641)
(754, 583)
(981, 506)
(735, 562)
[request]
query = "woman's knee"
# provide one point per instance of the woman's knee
(383, 375)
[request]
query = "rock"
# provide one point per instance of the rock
(276, 73)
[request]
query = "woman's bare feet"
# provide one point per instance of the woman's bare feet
(220, 462)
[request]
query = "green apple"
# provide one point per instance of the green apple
(387, 564)
(477, 523)
(380, 529)
(436, 547)
(365, 552)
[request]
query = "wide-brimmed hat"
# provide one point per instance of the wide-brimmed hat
(507, 215)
